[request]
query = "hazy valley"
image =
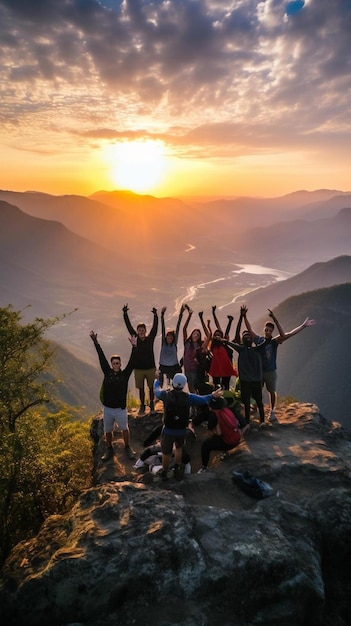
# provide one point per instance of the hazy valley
(94, 254)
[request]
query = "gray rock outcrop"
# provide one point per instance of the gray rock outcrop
(134, 550)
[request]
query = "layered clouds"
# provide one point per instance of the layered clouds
(209, 78)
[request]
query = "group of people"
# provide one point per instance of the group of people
(207, 358)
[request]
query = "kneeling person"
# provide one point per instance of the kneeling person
(176, 412)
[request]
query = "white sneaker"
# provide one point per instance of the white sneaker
(108, 455)
(138, 464)
(272, 416)
(202, 470)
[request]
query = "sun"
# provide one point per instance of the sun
(137, 165)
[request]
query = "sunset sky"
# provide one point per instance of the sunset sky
(177, 97)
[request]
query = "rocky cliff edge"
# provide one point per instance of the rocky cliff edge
(135, 550)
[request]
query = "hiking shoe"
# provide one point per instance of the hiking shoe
(191, 433)
(141, 410)
(272, 417)
(179, 472)
(138, 464)
(108, 455)
(130, 453)
(202, 470)
(223, 456)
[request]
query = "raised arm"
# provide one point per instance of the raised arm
(185, 327)
(180, 316)
(206, 330)
(127, 320)
(243, 311)
(154, 328)
(229, 325)
(248, 325)
(215, 318)
(307, 322)
(281, 335)
(102, 359)
(130, 365)
(163, 328)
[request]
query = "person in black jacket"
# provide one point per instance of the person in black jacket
(113, 395)
(143, 357)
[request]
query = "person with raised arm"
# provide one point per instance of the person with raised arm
(113, 395)
(269, 353)
(169, 362)
(192, 343)
(143, 358)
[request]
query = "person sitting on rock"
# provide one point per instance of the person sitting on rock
(176, 411)
(227, 430)
(113, 395)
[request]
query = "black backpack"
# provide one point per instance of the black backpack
(176, 410)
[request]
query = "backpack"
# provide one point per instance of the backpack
(176, 410)
(251, 485)
(229, 425)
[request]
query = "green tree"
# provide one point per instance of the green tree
(45, 458)
(24, 356)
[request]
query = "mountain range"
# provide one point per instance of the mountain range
(92, 255)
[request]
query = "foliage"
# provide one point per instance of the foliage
(132, 401)
(45, 465)
(24, 355)
(45, 457)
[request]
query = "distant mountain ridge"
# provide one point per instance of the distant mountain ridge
(143, 231)
(55, 270)
(319, 275)
(314, 366)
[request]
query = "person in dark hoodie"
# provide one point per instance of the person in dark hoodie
(113, 395)
(250, 372)
(143, 357)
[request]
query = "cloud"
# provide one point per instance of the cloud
(199, 64)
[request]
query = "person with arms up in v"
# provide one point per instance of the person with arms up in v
(269, 353)
(221, 368)
(113, 395)
(192, 343)
(249, 370)
(143, 358)
(169, 363)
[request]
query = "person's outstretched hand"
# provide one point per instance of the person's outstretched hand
(93, 336)
(218, 393)
(309, 322)
(125, 308)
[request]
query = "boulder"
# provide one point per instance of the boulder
(135, 550)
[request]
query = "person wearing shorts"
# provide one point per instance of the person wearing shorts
(113, 395)
(269, 353)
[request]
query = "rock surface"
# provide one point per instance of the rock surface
(136, 550)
